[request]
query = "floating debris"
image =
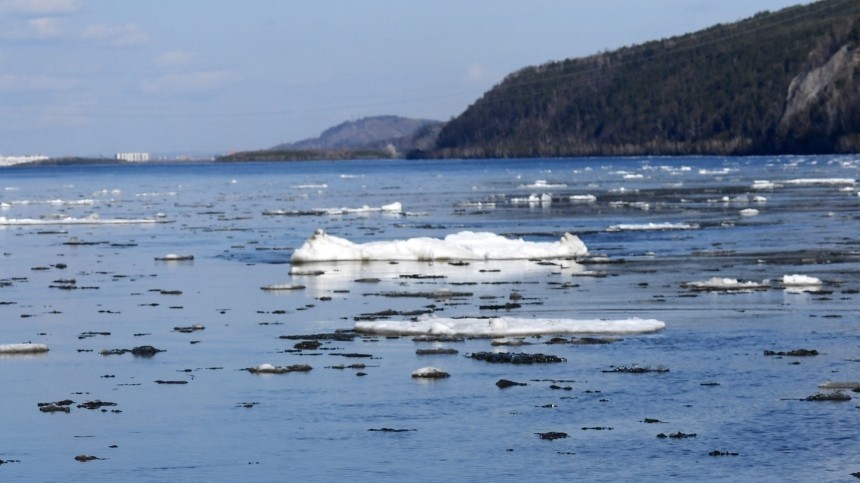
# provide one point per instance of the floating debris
(83, 458)
(97, 404)
(716, 453)
(678, 435)
(515, 358)
(189, 329)
(390, 430)
(159, 381)
(63, 406)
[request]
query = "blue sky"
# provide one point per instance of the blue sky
(94, 77)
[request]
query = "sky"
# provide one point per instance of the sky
(201, 77)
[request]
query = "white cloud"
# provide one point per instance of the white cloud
(176, 58)
(187, 81)
(117, 35)
(40, 28)
(39, 7)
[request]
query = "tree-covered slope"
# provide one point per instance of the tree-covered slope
(777, 82)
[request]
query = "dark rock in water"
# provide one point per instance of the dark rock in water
(552, 435)
(556, 387)
(140, 351)
(308, 345)
(507, 306)
(439, 351)
(505, 383)
(678, 435)
(83, 458)
(3, 462)
(437, 338)
(430, 373)
(515, 358)
(509, 342)
(651, 421)
(189, 329)
(353, 355)
(716, 453)
(56, 407)
(793, 353)
(159, 381)
(598, 428)
(95, 404)
(833, 396)
(367, 280)
(636, 369)
(338, 336)
(390, 430)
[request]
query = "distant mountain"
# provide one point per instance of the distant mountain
(785, 82)
(367, 133)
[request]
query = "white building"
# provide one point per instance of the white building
(133, 157)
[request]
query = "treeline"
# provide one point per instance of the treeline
(785, 82)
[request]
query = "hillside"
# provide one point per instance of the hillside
(784, 82)
(368, 132)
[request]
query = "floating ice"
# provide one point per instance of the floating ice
(749, 212)
(720, 283)
(282, 286)
(653, 226)
(395, 207)
(466, 245)
(23, 348)
(88, 220)
(543, 184)
(800, 280)
(582, 198)
(174, 257)
(821, 181)
(508, 326)
(533, 200)
(761, 184)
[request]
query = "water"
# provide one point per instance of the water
(315, 426)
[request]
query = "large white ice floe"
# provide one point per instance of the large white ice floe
(466, 245)
(22, 348)
(508, 326)
(728, 284)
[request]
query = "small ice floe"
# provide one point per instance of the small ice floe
(395, 207)
(759, 199)
(727, 284)
(836, 385)
(27, 348)
(271, 369)
(466, 245)
(507, 326)
(282, 286)
(761, 184)
(173, 257)
(653, 227)
(311, 186)
(430, 373)
(820, 181)
(748, 212)
(534, 199)
(582, 198)
(543, 184)
(801, 283)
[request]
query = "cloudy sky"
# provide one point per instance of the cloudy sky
(93, 77)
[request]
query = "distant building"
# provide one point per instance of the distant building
(133, 157)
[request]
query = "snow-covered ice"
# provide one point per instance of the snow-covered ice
(88, 220)
(23, 348)
(508, 326)
(722, 283)
(466, 245)
(653, 226)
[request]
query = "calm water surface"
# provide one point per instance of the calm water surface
(227, 424)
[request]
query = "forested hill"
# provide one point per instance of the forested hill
(784, 82)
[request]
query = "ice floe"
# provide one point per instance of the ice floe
(88, 220)
(466, 245)
(748, 212)
(728, 284)
(653, 226)
(800, 280)
(395, 207)
(582, 198)
(508, 326)
(820, 181)
(22, 348)
(543, 184)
